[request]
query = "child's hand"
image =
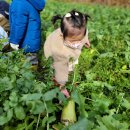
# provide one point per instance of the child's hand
(62, 88)
(64, 91)
(87, 44)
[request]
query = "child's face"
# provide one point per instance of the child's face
(75, 37)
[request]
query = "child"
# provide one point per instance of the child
(4, 19)
(64, 45)
(25, 27)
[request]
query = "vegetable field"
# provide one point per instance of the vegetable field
(99, 86)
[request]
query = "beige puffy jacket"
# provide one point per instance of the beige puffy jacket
(62, 55)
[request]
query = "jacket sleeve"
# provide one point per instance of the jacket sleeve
(41, 4)
(38, 4)
(61, 71)
(18, 23)
(47, 48)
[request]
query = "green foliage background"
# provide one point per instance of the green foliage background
(29, 100)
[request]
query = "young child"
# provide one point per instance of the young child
(64, 45)
(4, 19)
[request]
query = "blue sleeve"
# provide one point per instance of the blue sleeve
(18, 22)
(42, 4)
(38, 4)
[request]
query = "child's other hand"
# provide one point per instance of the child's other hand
(87, 44)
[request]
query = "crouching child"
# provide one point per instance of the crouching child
(65, 43)
(4, 19)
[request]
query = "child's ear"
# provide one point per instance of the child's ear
(55, 18)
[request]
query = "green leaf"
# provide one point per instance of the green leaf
(99, 36)
(30, 126)
(1, 110)
(83, 124)
(44, 121)
(50, 107)
(3, 120)
(51, 119)
(21, 126)
(80, 100)
(58, 126)
(5, 84)
(101, 102)
(61, 97)
(39, 87)
(6, 105)
(76, 96)
(29, 97)
(6, 118)
(9, 128)
(50, 94)
(13, 97)
(9, 114)
(36, 107)
(101, 127)
(16, 69)
(19, 112)
(110, 123)
(126, 104)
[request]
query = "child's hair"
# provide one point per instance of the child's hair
(74, 19)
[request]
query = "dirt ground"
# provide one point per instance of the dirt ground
(125, 3)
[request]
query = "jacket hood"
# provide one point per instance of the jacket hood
(38, 4)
